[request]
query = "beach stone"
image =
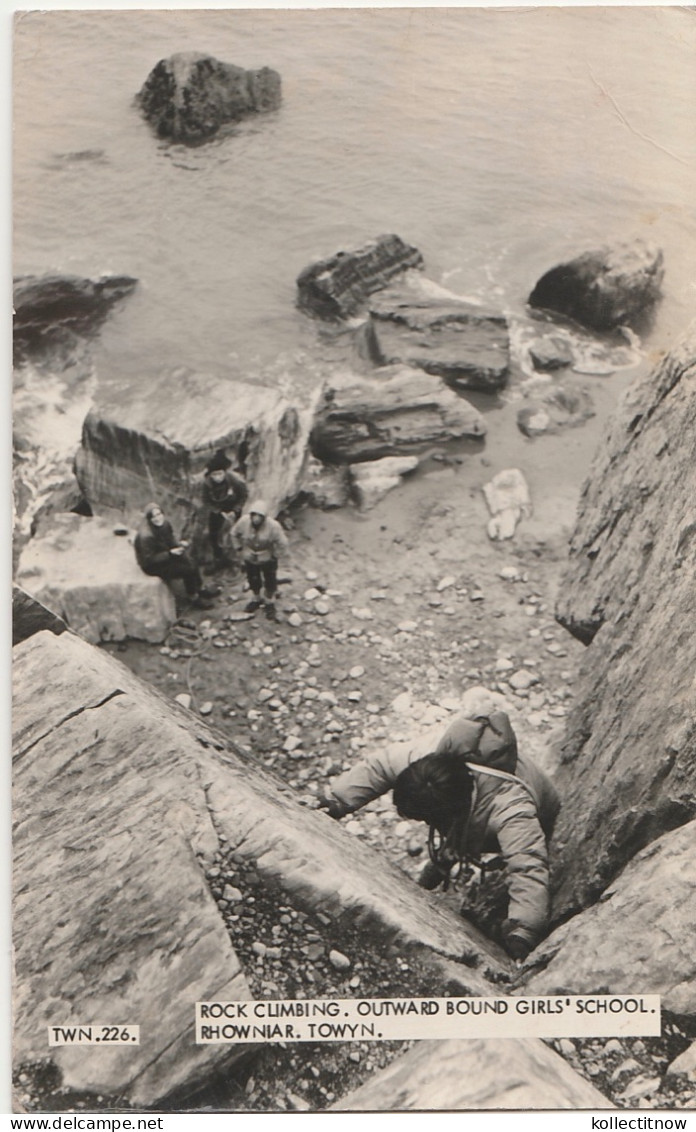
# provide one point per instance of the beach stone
(628, 755)
(44, 304)
(508, 500)
(412, 324)
(685, 1064)
(88, 578)
(374, 478)
(338, 960)
(183, 700)
(146, 443)
(600, 946)
(188, 97)
(401, 411)
(613, 286)
(338, 287)
(472, 1074)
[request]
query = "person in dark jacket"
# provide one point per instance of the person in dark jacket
(159, 553)
(478, 795)
(224, 495)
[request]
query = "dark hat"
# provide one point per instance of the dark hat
(219, 462)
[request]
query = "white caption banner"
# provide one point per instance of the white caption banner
(388, 1019)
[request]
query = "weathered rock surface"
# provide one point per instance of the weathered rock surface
(473, 1074)
(420, 325)
(44, 303)
(374, 478)
(188, 97)
(639, 937)
(88, 576)
(30, 616)
(122, 800)
(113, 920)
(397, 414)
(561, 407)
(628, 768)
(156, 447)
(603, 289)
(325, 486)
(338, 287)
(508, 500)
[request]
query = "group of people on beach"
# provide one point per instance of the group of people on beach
(490, 811)
(256, 537)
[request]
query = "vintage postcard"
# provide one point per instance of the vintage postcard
(353, 704)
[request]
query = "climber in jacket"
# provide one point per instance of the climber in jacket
(477, 795)
(224, 495)
(159, 553)
(260, 540)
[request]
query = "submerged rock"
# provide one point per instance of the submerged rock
(88, 576)
(628, 761)
(156, 445)
(604, 289)
(638, 937)
(188, 97)
(427, 327)
(47, 303)
(475, 1074)
(338, 287)
(402, 411)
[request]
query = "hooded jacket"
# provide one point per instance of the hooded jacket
(152, 544)
(262, 545)
(513, 811)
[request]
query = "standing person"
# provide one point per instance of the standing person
(478, 796)
(260, 541)
(160, 554)
(224, 494)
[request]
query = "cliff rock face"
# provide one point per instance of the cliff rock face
(157, 446)
(639, 937)
(478, 1073)
(188, 97)
(338, 287)
(44, 303)
(121, 801)
(392, 415)
(88, 576)
(603, 289)
(628, 764)
(461, 342)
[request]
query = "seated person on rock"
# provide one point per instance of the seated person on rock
(260, 541)
(224, 495)
(160, 554)
(478, 796)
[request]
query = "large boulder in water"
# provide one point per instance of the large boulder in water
(604, 289)
(123, 800)
(188, 97)
(638, 937)
(87, 575)
(399, 414)
(155, 444)
(475, 1074)
(417, 323)
(45, 305)
(338, 287)
(628, 762)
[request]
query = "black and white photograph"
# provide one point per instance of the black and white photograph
(353, 586)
